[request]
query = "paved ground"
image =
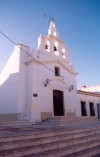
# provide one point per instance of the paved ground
(13, 129)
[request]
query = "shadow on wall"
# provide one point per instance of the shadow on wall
(9, 92)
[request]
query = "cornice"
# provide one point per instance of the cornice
(88, 93)
(64, 65)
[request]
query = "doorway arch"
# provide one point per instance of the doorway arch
(58, 104)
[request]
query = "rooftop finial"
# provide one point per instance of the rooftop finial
(49, 18)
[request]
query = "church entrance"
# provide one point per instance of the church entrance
(58, 103)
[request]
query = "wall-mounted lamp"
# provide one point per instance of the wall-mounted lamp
(71, 87)
(46, 82)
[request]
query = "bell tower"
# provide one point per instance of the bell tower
(52, 44)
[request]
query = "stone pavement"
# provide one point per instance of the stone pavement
(14, 130)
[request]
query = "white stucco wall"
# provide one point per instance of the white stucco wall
(9, 81)
(13, 83)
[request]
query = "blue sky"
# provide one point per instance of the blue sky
(78, 25)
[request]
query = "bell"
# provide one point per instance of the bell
(46, 46)
(55, 48)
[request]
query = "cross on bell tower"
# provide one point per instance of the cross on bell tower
(49, 19)
(52, 29)
(51, 26)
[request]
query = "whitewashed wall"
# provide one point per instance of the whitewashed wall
(9, 81)
(13, 83)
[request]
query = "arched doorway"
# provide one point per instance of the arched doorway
(58, 103)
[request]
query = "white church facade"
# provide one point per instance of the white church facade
(39, 84)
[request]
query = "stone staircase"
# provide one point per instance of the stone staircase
(54, 142)
(62, 121)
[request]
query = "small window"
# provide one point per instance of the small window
(57, 71)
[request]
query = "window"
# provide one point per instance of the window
(57, 71)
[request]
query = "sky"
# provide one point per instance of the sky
(78, 25)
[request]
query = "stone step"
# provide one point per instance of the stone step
(90, 152)
(68, 139)
(74, 118)
(52, 145)
(78, 120)
(55, 142)
(68, 122)
(53, 133)
(80, 150)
